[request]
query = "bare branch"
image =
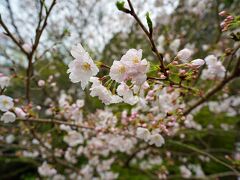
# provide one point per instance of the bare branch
(13, 21)
(14, 39)
(149, 35)
(39, 31)
(52, 121)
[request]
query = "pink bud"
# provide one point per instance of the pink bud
(19, 112)
(223, 13)
(182, 71)
(150, 93)
(41, 83)
(230, 18)
(175, 62)
(163, 76)
(222, 24)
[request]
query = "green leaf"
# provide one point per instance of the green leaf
(120, 5)
(149, 22)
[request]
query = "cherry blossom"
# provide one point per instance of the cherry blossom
(184, 55)
(6, 103)
(8, 117)
(82, 68)
(4, 81)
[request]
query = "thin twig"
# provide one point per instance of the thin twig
(9, 34)
(54, 121)
(206, 154)
(13, 21)
(149, 35)
(39, 31)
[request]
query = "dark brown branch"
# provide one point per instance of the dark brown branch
(149, 35)
(11, 36)
(52, 121)
(13, 21)
(39, 31)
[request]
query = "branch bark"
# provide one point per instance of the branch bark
(149, 35)
(52, 121)
(39, 31)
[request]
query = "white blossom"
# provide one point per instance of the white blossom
(185, 172)
(127, 93)
(8, 117)
(184, 55)
(136, 67)
(82, 68)
(118, 71)
(73, 138)
(156, 139)
(41, 83)
(10, 138)
(4, 81)
(143, 133)
(6, 103)
(19, 112)
(46, 170)
(105, 95)
(197, 62)
(215, 69)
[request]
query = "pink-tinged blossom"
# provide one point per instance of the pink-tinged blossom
(6, 103)
(4, 81)
(73, 138)
(118, 71)
(46, 170)
(41, 83)
(185, 172)
(8, 117)
(105, 95)
(82, 68)
(19, 112)
(143, 133)
(184, 55)
(127, 94)
(197, 63)
(215, 69)
(131, 66)
(156, 139)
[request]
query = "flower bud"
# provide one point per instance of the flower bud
(184, 55)
(197, 62)
(223, 13)
(41, 83)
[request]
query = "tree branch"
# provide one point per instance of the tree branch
(149, 35)
(52, 121)
(206, 154)
(235, 73)
(12, 20)
(39, 31)
(11, 36)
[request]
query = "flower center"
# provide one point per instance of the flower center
(122, 69)
(135, 60)
(5, 102)
(86, 66)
